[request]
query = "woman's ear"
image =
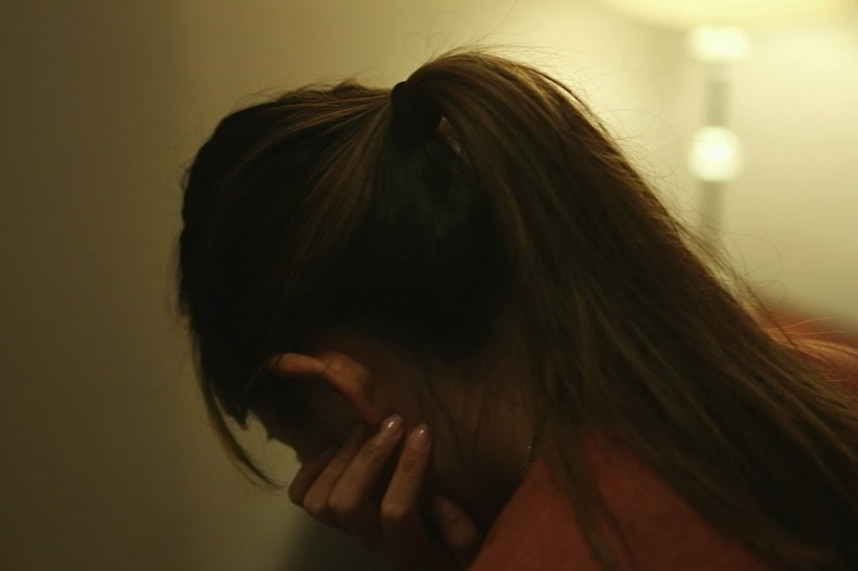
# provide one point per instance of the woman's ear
(345, 374)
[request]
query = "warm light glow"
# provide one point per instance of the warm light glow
(718, 43)
(687, 13)
(715, 154)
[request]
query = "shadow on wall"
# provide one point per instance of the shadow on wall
(315, 547)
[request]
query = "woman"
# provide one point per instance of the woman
(460, 294)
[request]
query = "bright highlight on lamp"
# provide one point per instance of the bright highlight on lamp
(715, 154)
(712, 43)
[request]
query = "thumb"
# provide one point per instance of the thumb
(461, 535)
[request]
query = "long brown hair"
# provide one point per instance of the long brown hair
(502, 194)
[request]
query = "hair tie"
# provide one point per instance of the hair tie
(414, 116)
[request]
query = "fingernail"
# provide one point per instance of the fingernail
(391, 427)
(420, 438)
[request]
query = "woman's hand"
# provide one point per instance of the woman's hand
(345, 488)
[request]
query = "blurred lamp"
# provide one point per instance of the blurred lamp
(715, 155)
(718, 43)
(716, 39)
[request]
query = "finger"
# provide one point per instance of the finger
(325, 463)
(307, 474)
(400, 518)
(460, 533)
(315, 501)
(352, 501)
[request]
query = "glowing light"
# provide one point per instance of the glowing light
(718, 43)
(715, 155)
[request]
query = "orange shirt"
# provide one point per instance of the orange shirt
(537, 529)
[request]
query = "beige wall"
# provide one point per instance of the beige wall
(790, 219)
(795, 213)
(107, 460)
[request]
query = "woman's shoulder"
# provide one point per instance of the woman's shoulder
(538, 529)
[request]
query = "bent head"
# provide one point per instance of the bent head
(469, 253)
(474, 252)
